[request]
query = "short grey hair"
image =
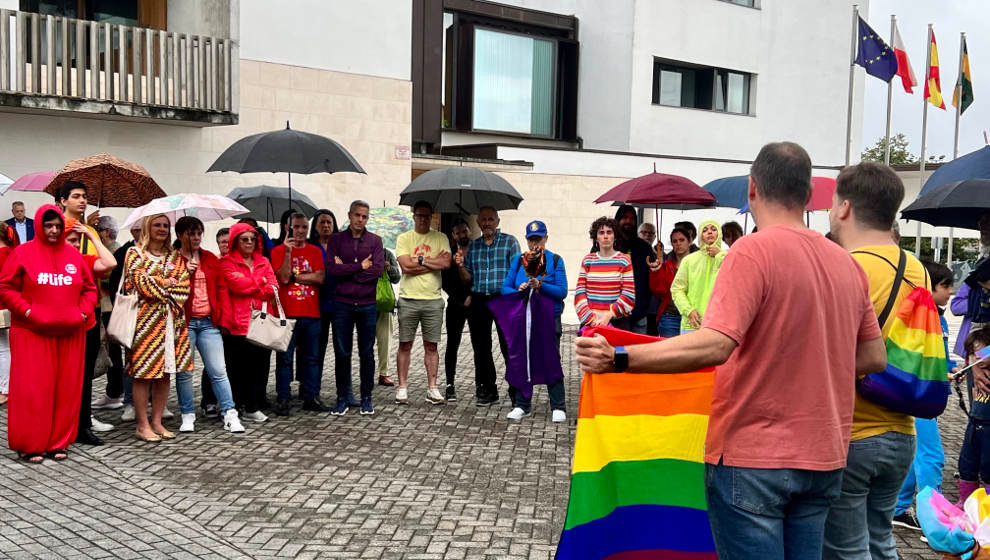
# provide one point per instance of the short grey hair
(17, 203)
(107, 223)
(647, 225)
(358, 203)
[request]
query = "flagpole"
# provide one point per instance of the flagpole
(959, 102)
(852, 76)
(924, 133)
(890, 96)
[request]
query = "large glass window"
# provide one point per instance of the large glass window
(701, 87)
(514, 78)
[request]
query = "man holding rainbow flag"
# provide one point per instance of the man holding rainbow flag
(803, 326)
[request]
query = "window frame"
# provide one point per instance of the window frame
(754, 6)
(749, 78)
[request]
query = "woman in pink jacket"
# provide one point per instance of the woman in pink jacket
(251, 282)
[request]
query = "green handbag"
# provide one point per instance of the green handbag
(384, 294)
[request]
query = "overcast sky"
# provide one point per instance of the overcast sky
(949, 17)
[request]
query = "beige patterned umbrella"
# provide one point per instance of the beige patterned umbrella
(109, 181)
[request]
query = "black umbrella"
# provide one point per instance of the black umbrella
(958, 204)
(289, 151)
(267, 203)
(461, 189)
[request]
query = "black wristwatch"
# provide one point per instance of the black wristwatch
(420, 260)
(292, 278)
(620, 362)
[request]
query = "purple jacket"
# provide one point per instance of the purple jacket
(355, 286)
(959, 306)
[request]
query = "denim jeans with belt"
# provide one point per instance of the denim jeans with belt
(769, 513)
(304, 346)
(859, 524)
(206, 338)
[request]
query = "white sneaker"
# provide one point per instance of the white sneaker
(401, 395)
(256, 416)
(166, 413)
(517, 414)
(433, 396)
(128, 414)
(188, 422)
(559, 416)
(232, 423)
(106, 402)
(100, 426)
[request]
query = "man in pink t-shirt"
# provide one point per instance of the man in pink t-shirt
(789, 324)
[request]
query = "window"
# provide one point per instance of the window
(747, 3)
(679, 84)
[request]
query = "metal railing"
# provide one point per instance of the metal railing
(65, 57)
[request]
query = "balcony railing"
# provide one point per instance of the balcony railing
(44, 55)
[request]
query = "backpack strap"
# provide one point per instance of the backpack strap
(895, 288)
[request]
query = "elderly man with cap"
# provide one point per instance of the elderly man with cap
(552, 284)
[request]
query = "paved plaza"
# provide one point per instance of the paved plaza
(415, 482)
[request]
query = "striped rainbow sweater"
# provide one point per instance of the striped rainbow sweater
(605, 285)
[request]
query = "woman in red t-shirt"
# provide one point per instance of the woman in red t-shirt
(8, 240)
(662, 274)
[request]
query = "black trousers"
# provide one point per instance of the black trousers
(457, 316)
(480, 320)
(247, 369)
(115, 375)
(89, 368)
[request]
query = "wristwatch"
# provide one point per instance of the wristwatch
(621, 359)
(420, 260)
(292, 278)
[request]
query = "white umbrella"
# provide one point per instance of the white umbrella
(206, 207)
(5, 183)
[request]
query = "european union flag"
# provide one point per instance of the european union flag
(874, 54)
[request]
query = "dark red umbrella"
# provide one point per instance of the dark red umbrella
(660, 190)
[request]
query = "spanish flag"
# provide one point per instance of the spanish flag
(933, 87)
(965, 83)
(637, 483)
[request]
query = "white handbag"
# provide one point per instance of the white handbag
(123, 318)
(269, 331)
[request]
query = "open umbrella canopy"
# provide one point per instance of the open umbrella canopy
(286, 150)
(32, 182)
(974, 165)
(731, 191)
(109, 181)
(266, 203)
(957, 204)
(5, 183)
(660, 190)
(461, 189)
(206, 207)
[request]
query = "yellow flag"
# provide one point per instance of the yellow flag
(933, 88)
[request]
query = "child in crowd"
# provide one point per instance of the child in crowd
(974, 458)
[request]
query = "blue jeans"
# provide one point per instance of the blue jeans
(305, 345)
(204, 337)
(859, 524)
(929, 460)
(974, 457)
(345, 319)
(670, 325)
(769, 513)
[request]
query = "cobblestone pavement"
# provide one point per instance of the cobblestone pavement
(416, 482)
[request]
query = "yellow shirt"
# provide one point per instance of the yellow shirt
(85, 246)
(869, 418)
(431, 244)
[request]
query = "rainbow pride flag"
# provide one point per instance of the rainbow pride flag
(637, 482)
(916, 379)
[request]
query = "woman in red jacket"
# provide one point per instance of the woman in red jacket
(662, 276)
(7, 241)
(250, 282)
(51, 296)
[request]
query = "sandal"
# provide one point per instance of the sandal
(31, 458)
(57, 454)
(166, 434)
(151, 439)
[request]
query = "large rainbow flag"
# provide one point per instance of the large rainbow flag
(637, 483)
(916, 379)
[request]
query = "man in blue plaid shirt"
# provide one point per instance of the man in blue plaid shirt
(485, 266)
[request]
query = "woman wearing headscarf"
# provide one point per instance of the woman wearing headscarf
(51, 295)
(251, 282)
(158, 274)
(692, 286)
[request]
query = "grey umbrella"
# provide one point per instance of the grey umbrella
(267, 203)
(461, 189)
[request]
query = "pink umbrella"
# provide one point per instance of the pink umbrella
(36, 181)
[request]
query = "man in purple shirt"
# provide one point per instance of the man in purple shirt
(356, 259)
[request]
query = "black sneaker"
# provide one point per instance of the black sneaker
(282, 407)
(450, 394)
(486, 400)
(315, 405)
(908, 520)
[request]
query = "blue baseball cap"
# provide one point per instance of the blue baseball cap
(536, 228)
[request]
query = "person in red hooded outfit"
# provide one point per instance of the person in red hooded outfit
(251, 281)
(50, 293)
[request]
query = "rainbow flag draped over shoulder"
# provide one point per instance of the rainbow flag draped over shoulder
(916, 378)
(638, 478)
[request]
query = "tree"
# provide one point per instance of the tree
(899, 152)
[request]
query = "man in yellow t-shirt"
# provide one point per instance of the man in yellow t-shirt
(422, 254)
(881, 449)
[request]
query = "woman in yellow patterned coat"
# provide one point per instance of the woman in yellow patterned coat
(157, 273)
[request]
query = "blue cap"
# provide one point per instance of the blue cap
(536, 228)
